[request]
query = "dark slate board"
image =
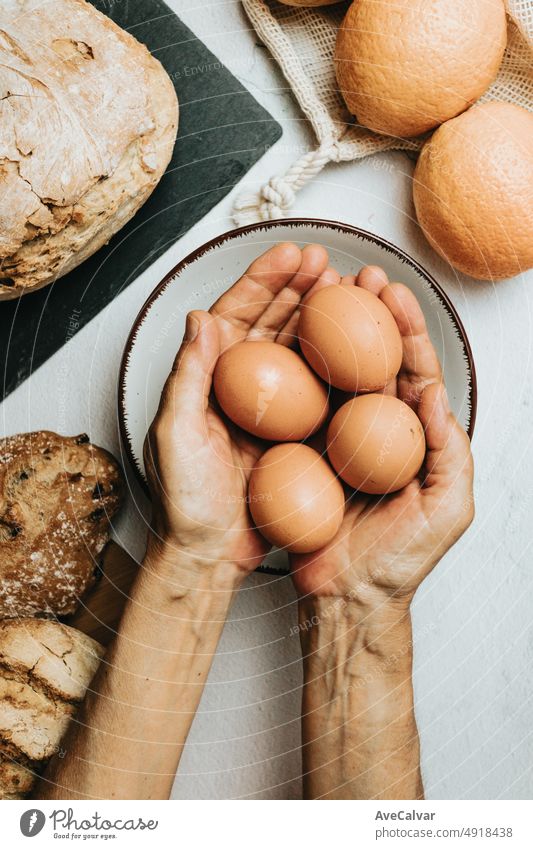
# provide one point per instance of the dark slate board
(223, 131)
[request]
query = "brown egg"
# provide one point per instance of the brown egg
(295, 499)
(350, 338)
(268, 390)
(376, 443)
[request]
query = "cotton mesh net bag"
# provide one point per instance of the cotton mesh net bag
(302, 40)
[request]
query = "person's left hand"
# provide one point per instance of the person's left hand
(197, 463)
(388, 544)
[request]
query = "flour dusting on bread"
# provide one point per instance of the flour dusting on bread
(58, 496)
(88, 121)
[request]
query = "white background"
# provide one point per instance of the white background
(473, 669)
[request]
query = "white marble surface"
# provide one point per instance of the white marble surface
(473, 637)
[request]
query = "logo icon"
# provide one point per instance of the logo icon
(32, 822)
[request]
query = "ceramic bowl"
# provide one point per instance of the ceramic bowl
(201, 277)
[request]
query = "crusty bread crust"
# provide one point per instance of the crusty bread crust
(57, 498)
(45, 669)
(88, 121)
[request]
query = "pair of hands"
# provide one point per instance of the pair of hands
(198, 464)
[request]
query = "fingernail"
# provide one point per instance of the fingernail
(192, 327)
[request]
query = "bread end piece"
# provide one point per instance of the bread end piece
(45, 669)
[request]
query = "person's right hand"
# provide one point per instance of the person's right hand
(197, 463)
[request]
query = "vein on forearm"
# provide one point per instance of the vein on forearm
(359, 732)
(128, 738)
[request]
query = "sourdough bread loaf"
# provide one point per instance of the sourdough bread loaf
(45, 669)
(88, 121)
(57, 498)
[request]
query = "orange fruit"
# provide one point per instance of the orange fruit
(473, 191)
(405, 66)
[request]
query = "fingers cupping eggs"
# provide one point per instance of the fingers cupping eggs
(349, 340)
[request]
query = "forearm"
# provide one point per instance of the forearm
(360, 739)
(128, 737)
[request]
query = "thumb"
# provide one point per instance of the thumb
(449, 467)
(186, 391)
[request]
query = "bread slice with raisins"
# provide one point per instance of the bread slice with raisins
(58, 496)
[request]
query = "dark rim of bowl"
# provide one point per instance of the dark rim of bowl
(267, 225)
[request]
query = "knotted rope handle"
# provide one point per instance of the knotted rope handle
(276, 197)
